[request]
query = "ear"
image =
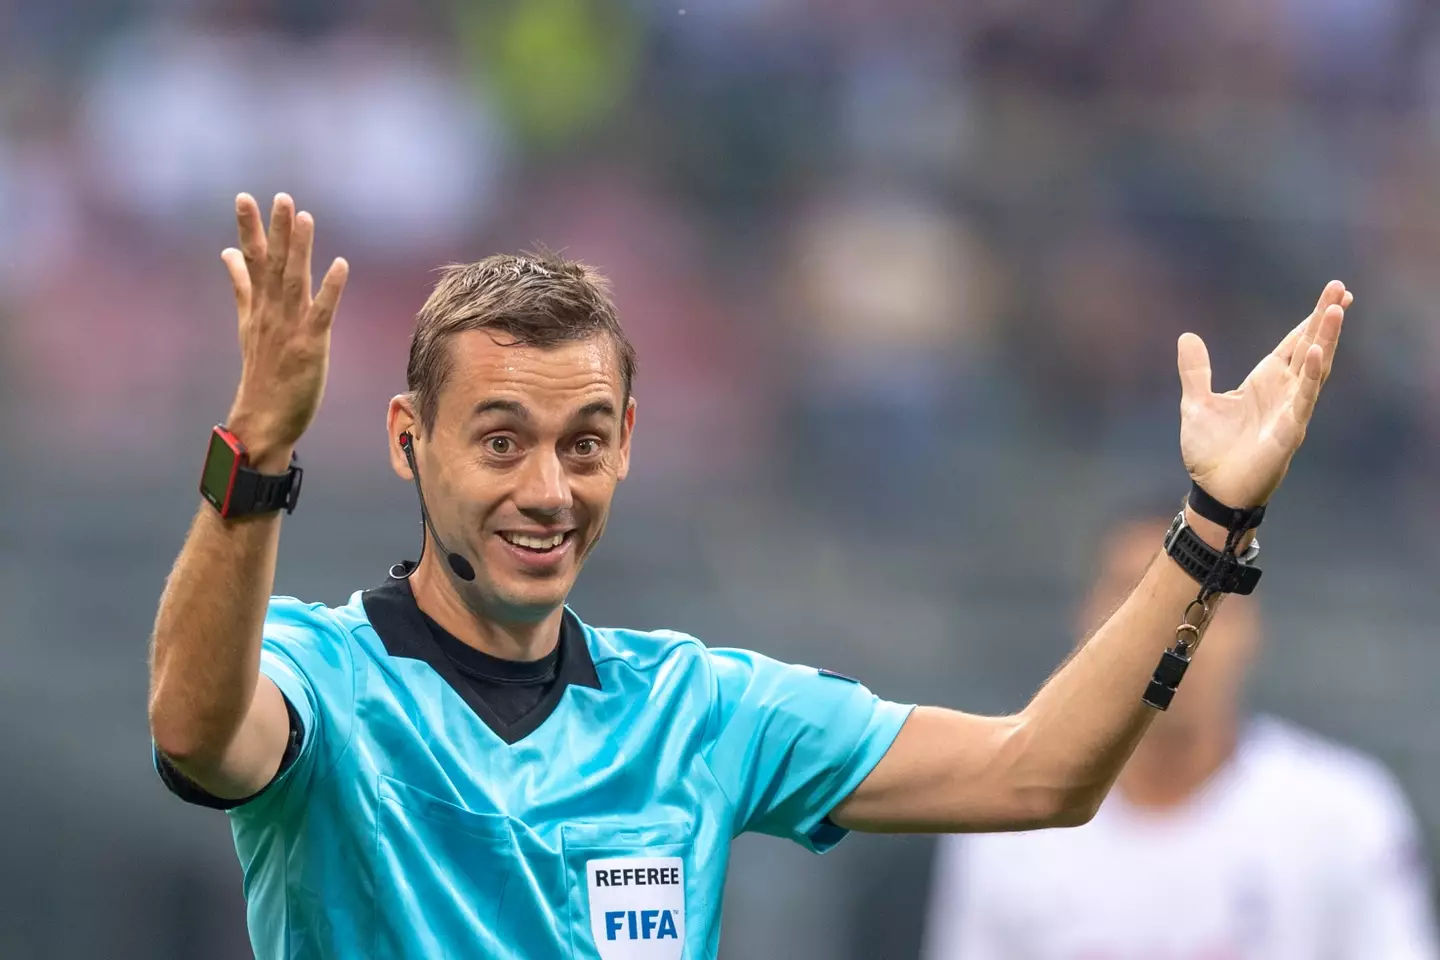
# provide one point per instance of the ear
(400, 419)
(627, 429)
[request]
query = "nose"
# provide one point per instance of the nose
(543, 484)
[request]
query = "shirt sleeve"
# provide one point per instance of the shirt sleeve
(306, 654)
(792, 742)
(1386, 902)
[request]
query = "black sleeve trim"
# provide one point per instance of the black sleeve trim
(191, 792)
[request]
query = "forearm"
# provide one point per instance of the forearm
(1077, 733)
(205, 656)
(1053, 763)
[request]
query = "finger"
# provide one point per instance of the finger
(1346, 300)
(1285, 349)
(322, 311)
(239, 278)
(1328, 338)
(252, 236)
(1332, 294)
(282, 217)
(1194, 364)
(1311, 379)
(297, 267)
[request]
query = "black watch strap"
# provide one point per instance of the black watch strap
(1200, 561)
(1217, 571)
(257, 492)
(1231, 518)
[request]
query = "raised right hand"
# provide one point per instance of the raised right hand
(284, 330)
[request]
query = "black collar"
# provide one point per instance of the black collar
(403, 630)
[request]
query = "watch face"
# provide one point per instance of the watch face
(217, 478)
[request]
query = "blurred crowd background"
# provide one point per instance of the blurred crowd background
(905, 277)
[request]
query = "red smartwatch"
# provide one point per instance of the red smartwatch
(235, 489)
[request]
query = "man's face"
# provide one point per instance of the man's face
(521, 465)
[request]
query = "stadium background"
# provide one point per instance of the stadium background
(905, 277)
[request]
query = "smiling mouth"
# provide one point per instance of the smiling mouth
(537, 545)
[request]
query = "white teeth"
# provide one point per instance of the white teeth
(535, 543)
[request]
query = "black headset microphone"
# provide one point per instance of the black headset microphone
(462, 567)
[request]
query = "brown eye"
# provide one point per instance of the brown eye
(501, 446)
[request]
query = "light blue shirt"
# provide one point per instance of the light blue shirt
(406, 827)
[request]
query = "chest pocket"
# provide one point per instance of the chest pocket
(440, 873)
(631, 890)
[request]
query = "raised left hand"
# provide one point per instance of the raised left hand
(1238, 445)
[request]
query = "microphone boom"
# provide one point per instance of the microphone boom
(461, 567)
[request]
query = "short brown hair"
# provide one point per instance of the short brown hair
(533, 299)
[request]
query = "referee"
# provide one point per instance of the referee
(454, 764)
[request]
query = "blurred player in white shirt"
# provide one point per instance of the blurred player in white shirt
(1227, 837)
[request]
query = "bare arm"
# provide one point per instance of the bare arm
(1052, 764)
(212, 713)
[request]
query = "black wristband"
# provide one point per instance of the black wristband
(279, 491)
(1219, 571)
(1231, 518)
(255, 492)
